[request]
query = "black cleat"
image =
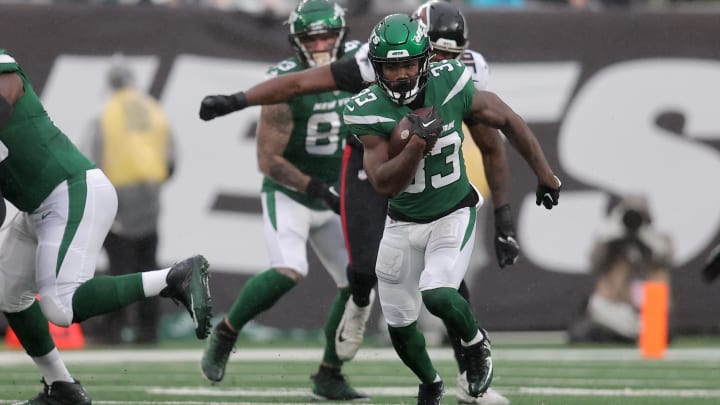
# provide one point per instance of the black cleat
(188, 284)
(215, 357)
(61, 393)
(330, 384)
(430, 394)
(478, 366)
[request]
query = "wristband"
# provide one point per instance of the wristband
(239, 101)
(504, 220)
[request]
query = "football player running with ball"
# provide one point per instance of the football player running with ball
(299, 147)
(430, 231)
(362, 209)
(66, 208)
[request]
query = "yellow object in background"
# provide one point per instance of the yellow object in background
(474, 164)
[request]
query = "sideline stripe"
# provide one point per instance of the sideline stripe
(193, 355)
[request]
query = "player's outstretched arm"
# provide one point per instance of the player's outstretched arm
(489, 109)
(272, 91)
(494, 158)
(497, 173)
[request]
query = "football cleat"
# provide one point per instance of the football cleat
(351, 329)
(330, 384)
(188, 284)
(215, 357)
(430, 394)
(478, 366)
(60, 393)
(490, 397)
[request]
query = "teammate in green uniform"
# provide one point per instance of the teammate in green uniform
(299, 148)
(66, 208)
(430, 232)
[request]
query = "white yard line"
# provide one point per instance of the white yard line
(193, 355)
(624, 392)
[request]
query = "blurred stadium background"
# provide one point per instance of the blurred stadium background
(623, 98)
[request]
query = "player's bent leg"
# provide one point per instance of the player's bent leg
(258, 294)
(188, 284)
(409, 343)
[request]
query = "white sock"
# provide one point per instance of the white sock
(154, 281)
(52, 367)
(437, 378)
(479, 337)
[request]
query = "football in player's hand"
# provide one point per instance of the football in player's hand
(400, 135)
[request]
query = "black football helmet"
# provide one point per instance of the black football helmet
(446, 26)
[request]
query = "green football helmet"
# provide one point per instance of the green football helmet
(316, 17)
(399, 38)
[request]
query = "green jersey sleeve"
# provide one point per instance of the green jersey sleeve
(40, 156)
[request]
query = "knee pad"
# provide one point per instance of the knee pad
(55, 312)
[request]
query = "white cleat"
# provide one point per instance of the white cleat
(490, 397)
(351, 330)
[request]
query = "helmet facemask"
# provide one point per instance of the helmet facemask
(399, 39)
(317, 17)
(403, 91)
(318, 58)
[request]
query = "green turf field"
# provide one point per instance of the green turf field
(277, 373)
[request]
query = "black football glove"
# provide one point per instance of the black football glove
(318, 189)
(548, 196)
(428, 128)
(219, 105)
(711, 270)
(507, 248)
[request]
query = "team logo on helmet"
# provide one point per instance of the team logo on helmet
(399, 38)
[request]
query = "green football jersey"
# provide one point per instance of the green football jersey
(36, 155)
(440, 182)
(318, 136)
